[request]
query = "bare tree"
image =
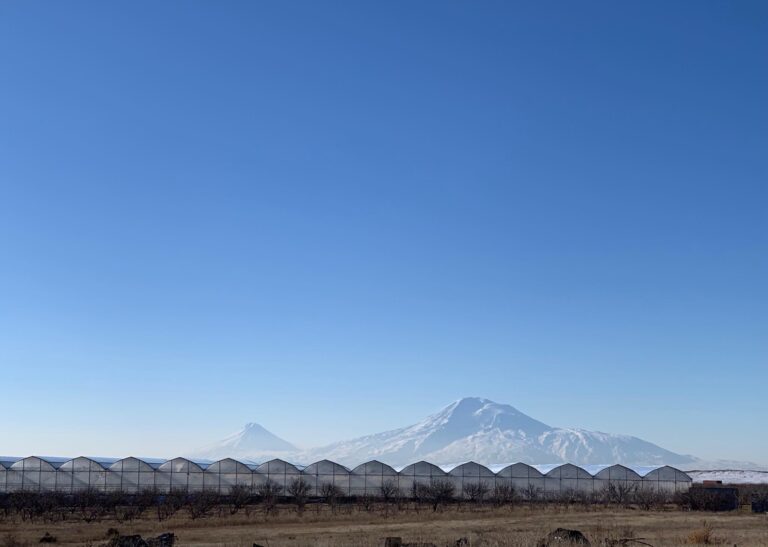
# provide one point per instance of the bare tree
(299, 491)
(269, 491)
(648, 498)
(476, 492)
(420, 492)
(90, 503)
(504, 494)
(146, 498)
(367, 502)
(532, 493)
(239, 496)
(390, 492)
(168, 504)
(440, 492)
(620, 492)
(331, 494)
(200, 504)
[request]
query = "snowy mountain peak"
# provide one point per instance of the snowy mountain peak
(487, 432)
(252, 442)
(471, 428)
(486, 414)
(252, 428)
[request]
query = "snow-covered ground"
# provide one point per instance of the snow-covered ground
(730, 476)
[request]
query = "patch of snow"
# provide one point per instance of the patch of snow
(730, 476)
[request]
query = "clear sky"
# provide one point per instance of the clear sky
(333, 218)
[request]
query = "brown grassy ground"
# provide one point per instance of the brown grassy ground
(518, 527)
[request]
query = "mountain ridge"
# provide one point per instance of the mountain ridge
(482, 430)
(471, 428)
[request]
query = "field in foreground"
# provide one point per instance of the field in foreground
(518, 526)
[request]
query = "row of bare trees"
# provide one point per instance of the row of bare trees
(90, 505)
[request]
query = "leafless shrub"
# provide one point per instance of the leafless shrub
(647, 499)
(125, 507)
(169, 504)
(367, 502)
(420, 492)
(269, 491)
(569, 496)
(146, 498)
(532, 493)
(707, 499)
(90, 503)
(504, 494)
(299, 490)
(239, 496)
(477, 492)
(200, 504)
(620, 492)
(390, 492)
(25, 504)
(440, 492)
(331, 494)
(127, 513)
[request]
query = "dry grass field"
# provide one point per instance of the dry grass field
(351, 526)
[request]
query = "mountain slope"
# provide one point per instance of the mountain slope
(491, 433)
(469, 429)
(253, 442)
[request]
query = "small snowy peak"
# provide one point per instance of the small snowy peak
(252, 442)
(470, 429)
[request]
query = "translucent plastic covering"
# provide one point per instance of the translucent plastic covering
(133, 475)
(224, 474)
(179, 474)
(617, 473)
(277, 471)
(31, 473)
(419, 473)
(522, 477)
(130, 475)
(472, 473)
(374, 479)
(666, 479)
(326, 472)
(80, 473)
(568, 478)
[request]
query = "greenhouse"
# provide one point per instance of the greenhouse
(132, 475)
(371, 477)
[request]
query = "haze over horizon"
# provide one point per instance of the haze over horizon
(332, 219)
(469, 429)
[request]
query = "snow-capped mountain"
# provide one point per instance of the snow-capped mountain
(487, 432)
(469, 429)
(252, 443)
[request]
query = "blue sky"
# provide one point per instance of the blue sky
(333, 218)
